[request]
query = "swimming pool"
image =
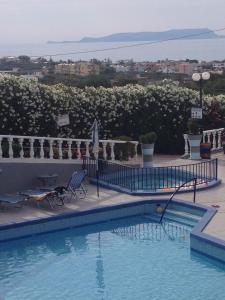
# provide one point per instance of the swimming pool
(129, 258)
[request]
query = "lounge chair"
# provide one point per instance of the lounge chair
(74, 187)
(11, 198)
(40, 196)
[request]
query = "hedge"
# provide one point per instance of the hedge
(30, 108)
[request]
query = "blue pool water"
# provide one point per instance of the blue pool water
(132, 258)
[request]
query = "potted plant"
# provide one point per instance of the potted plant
(147, 142)
(124, 151)
(194, 138)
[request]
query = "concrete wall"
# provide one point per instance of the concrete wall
(20, 176)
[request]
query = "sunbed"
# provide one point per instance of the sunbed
(74, 187)
(11, 198)
(40, 195)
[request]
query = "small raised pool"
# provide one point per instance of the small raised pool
(155, 180)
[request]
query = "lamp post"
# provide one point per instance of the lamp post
(200, 77)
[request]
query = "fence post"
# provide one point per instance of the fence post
(195, 185)
(216, 168)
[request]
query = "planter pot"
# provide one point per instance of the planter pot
(147, 155)
(194, 142)
(205, 150)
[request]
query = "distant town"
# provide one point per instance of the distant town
(106, 73)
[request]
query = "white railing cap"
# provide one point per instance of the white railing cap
(62, 139)
(213, 130)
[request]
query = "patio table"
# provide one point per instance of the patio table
(48, 180)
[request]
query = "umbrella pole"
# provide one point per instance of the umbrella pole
(97, 176)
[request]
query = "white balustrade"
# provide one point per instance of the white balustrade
(51, 152)
(0, 147)
(104, 145)
(135, 149)
(10, 147)
(78, 149)
(60, 149)
(42, 153)
(87, 154)
(21, 146)
(69, 149)
(220, 146)
(213, 136)
(112, 144)
(214, 140)
(33, 148)
(186, 144)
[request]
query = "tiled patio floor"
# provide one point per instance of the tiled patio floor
(214, 196)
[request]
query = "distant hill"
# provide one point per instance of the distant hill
(196, 33)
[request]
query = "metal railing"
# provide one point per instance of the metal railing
(175, 192)
(154, 179)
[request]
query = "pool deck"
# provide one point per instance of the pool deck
(214, 196)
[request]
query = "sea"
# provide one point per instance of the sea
(202, 50)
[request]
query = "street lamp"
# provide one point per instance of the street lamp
(200, 77)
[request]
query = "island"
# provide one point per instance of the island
(183, 34)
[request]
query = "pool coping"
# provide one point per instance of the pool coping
(200, 241)
(100, 208)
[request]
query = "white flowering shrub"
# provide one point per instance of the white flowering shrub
(29, 108)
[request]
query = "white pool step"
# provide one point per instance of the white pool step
(183, 214)
(178, 216)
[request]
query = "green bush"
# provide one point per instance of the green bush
(148, 138)
(193, 126)
(124, 151)
(30, 108)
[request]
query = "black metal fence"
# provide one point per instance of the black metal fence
(151, 179)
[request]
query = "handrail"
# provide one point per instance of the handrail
(175, 192)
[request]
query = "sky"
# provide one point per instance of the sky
(35, 21)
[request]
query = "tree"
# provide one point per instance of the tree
(24, 58)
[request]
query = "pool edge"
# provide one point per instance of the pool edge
(199, 241)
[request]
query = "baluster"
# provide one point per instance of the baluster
(69, 149)
(21, 145)
(214, 140)
(186, 148)
(42, 153)
(60, 149)
(209, 137)
(51, 152)
(135, 150)
(204, 137)
(32, 140)
(10, 147)
(104, 145)
(78, 150)
(219, 140)
(87, 149)
(112, 144)
(1, 147)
